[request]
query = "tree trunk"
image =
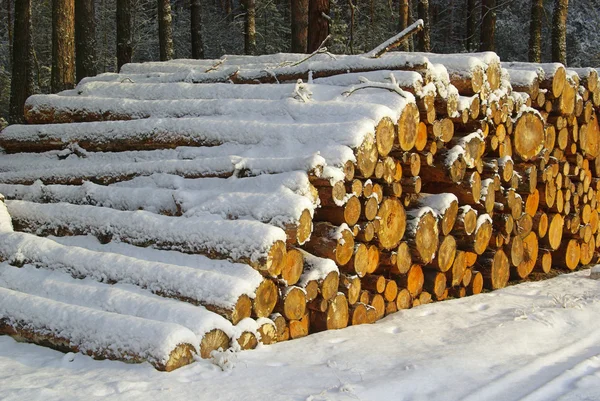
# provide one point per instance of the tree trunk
(9, 27)
(403, 14)
(196, 28)
(299, 9)
(250, 27)
(472, 22)
(535, 31)
(85, 39)
(124, 45)
(318, 25)
(63, 45)
(559, 31)
(424, 44)
(22, 71)
(488, 25)
(165, 31)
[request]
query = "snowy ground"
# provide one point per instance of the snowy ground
(533, 341)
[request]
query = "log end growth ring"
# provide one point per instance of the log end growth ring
(529, 136)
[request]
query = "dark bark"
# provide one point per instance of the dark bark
(85, 39)
(299, 11)
(124, 38)
(22, 71)
(250, 27)
(9, 26)
(424, 44)
(165, 30)
(472, 21)
(196, 28)
(535, 31)
(63, 45)
(403, 23)
(318, 25)
(488, 25)
(559, 31)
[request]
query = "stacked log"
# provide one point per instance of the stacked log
(382, 184)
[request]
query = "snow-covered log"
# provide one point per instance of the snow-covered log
(258, 244)
(228, 294)
(99, 334)
(212, 331)
(280, 207)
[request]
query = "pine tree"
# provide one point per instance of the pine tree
(165, 31)
(124, 34)
(559, 31)
(22, 71)
(85, 39)
(318, 23)
(488, 25)
(63, 45)
(299, 11)
(196, 28)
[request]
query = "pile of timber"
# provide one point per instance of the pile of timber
(185, 200)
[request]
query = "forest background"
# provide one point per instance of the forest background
(355, 25)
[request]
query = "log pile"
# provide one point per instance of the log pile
(339, 191)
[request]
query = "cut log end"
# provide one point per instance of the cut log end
(213, 341)
(293, 265)
(243, 308)
(392, 223)
(385, 136)
(304, 227)
(266, 299)
(408, 127)
(275, 258)
(528, 136)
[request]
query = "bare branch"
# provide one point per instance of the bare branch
(395, 41)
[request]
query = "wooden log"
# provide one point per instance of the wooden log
(292, 303)
(528, 135)
(404, 300)
(391, 291)
(422, 235)
(359, 262)
(347, 214)
(412, 281)
(455, 274)
(392, 218)
(336, 316)
(530, 256)
(357, 314)
(31, 318)
(479, 240)
(373, 283)
(445, 255)
(293, 264)
(555, 232)
(444, 205)
(351, 287)
(567, 255)
(495, 269)
(435, 283)
(329, 241)
(300, 328)
(466, 221)
(476, 285)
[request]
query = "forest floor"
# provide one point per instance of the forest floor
(532, 341)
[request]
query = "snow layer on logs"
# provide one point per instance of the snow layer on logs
(121, 299)
(279, 206)
(296, 181)
(94, 331)
(238, 239)
(316, 268)
(223, 166)
(367, 104)
(207, 131)
(202, 286)
(190, 75)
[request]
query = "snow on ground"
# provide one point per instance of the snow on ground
(533, 341)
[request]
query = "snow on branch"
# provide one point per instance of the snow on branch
(366, 84)
(395, 41)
